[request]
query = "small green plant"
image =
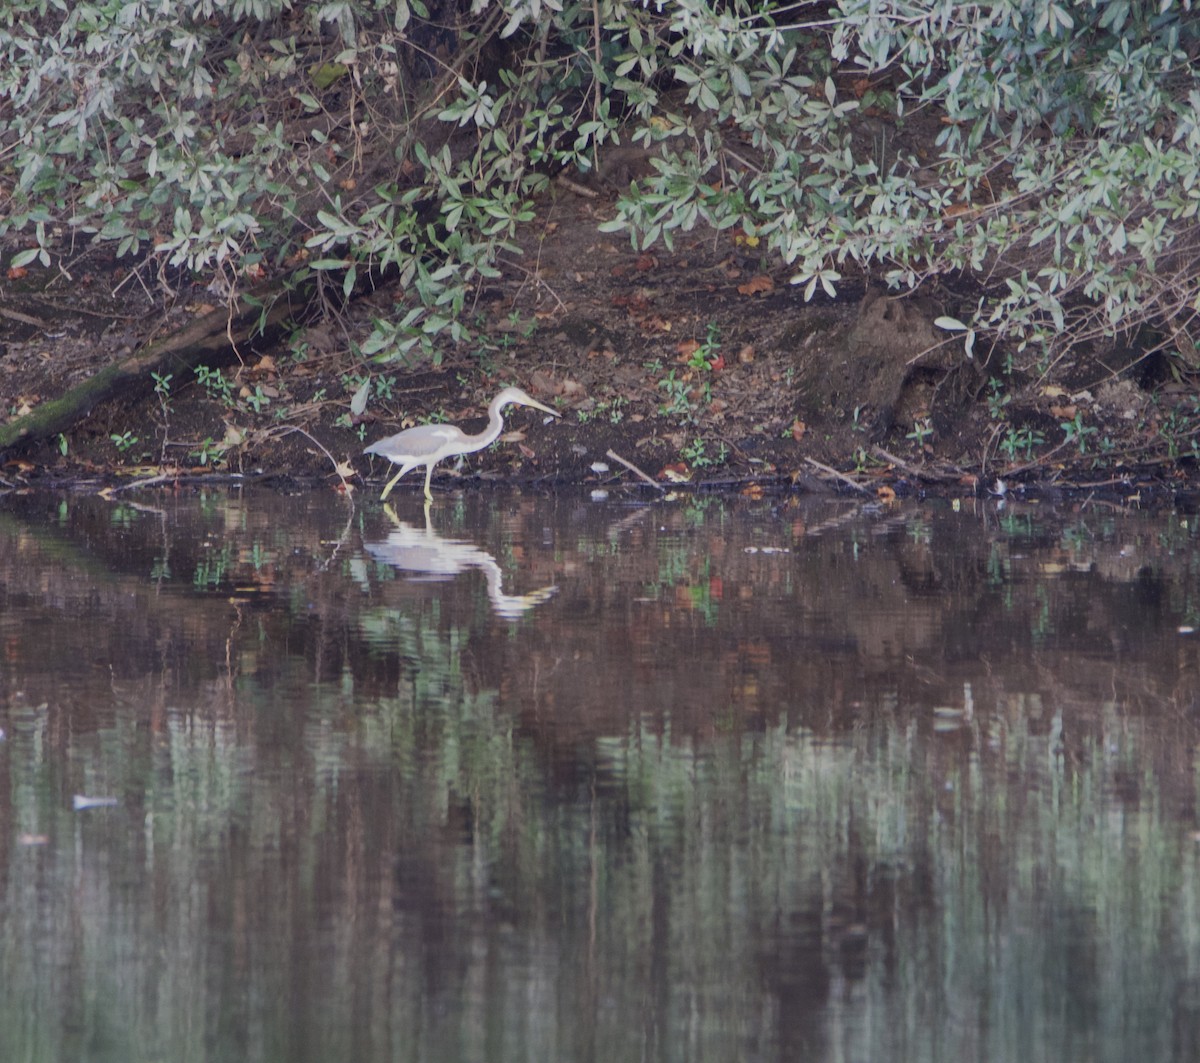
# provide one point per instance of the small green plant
(613, 408)
(678, 402)
(1076, 430)
(526, 328)
(123, 441)
(997, 399)
(162, 388)
(258, 400)
(921, 432)
(1021, 440)
(213, 381)
(63, 446)
(209, 453)
(696, 454)
(703, 357)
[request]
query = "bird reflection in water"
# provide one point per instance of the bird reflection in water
(426, 555)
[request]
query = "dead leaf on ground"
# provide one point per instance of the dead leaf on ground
(746, 355)
(686, 348)
(1067, 413)
(544, 384)
(959, 210)
(635, 304)
(756, 284)
(645, 263)
(798, 429)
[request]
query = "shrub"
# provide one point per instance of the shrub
(243, 135)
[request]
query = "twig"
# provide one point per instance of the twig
(837, 475)
(632, 468)
(915, 470)
(577, 188)
(288, 429)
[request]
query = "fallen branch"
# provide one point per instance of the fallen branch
(206, 340)
(849, 481)
(918, 471)
(613, 455)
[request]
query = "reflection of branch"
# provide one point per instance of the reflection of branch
(344, 536)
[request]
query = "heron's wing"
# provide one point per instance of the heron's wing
(413, 445)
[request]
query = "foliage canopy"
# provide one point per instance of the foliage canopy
(1045, 151)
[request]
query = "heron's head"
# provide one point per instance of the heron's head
(517, 397)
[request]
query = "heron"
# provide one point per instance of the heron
(427, 444)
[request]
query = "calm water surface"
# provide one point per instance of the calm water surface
(556, 779)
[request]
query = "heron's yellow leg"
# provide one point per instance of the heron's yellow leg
(391, 483)
(428, 477)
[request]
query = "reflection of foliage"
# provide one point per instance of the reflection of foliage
(436, 825)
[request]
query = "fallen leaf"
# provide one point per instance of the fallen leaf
(956, 210)
(746, 355)
(15, 273)
(686, 348)
(758, 283)
(798, 429)
(645, 263)
(1067, 413)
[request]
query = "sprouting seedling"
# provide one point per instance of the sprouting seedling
(952, 324)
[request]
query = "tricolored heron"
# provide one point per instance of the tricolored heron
(427, 444)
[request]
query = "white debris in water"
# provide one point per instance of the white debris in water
(83, 802)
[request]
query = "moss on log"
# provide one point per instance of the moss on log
(211, 339)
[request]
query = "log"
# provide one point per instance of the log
(208, 340)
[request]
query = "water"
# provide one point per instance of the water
(562, 779)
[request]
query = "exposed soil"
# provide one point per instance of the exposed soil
(699, 364)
